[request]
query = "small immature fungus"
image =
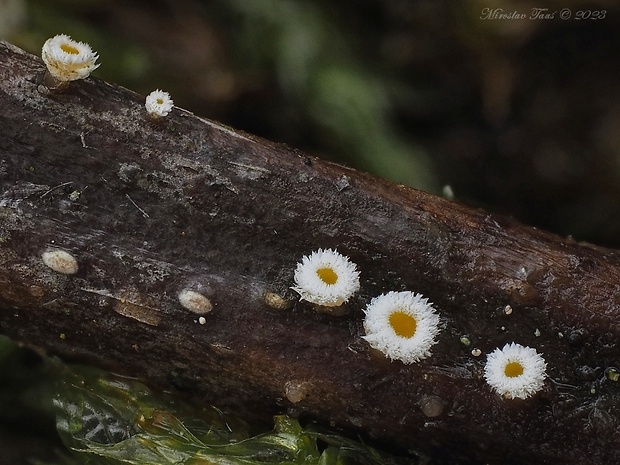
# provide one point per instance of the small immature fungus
(515, 371)
(326, 278)
(195, 302)
(158, 104)
(432, 406)
(68, 60)
(275, 301)
(60, 261)
(402, 325)
(296, 390)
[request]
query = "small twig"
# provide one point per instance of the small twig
(145, 214)
(54, 188)
(250, 167)
(83, 139)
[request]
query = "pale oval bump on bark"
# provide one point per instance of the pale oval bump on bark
(60, 261)
(195, 302)
(432, 406)
(276, 301)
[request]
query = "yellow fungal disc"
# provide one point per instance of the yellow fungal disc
(403, 324)
(69, 49)
(513, 369)
(327, 275)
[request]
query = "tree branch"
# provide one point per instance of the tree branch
(150, 209)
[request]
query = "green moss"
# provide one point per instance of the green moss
(107, 420)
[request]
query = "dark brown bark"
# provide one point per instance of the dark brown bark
(149, 209)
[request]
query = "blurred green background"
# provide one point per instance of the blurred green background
(521, 117)
(518, 116)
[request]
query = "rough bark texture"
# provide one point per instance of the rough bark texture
(149, 209)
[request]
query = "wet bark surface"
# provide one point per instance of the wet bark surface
(149, 209)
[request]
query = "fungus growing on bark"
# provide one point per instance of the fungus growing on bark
(515, 371)
(67, 60)
(158, 104)
(402, 325)
(326, 278)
